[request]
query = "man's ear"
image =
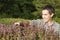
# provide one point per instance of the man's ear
(52, 15)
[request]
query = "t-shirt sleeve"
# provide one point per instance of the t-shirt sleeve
(35, 22)
(59, 30)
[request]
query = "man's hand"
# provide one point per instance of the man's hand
(22, 23)
(17, 23)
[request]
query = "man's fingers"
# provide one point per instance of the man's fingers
(17, 23)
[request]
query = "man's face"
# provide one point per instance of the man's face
(46, 15)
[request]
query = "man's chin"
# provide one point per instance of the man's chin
(45, 21)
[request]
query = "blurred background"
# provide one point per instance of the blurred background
(15, 10)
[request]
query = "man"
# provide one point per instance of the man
(47, 21)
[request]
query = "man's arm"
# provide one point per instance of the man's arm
(22, 23)
(28, 22)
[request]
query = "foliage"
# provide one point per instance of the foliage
(24, 31)
(10, 21)
(27, 9)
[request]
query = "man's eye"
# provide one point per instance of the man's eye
(45, 14)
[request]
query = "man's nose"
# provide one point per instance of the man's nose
(43, 16)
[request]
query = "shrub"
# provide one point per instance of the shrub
(24, 31)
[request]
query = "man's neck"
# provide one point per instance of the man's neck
(50, 22)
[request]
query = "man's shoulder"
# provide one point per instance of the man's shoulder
(37, 21)
(56, 24)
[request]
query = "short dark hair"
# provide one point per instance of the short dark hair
(50, 8)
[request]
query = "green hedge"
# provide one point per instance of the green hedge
(12, 20)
